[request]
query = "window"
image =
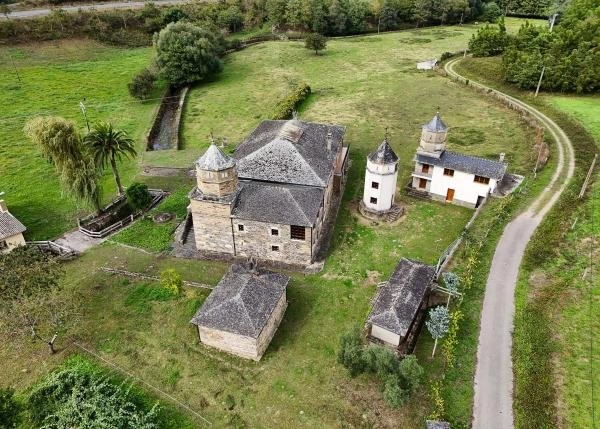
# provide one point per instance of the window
(422, 183)
(425, 169)
(481, 179)
(240, 227)
(448, 172)
(373, 200)
(3, 244)
(375, 185)
(297, 232)
(274, 231)
(275, 248)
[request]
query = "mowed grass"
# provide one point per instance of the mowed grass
(54, 78)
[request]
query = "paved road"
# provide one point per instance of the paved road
(493, 374)
(98, 6)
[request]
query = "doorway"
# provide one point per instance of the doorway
(450, 194)
(480, 201)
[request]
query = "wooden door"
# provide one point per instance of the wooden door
(422, 183)
(450, 194)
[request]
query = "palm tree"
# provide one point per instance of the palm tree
(109, 145)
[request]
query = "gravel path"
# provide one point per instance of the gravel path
(492, 407)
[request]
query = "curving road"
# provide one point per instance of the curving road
(493, 374)
(32, 13)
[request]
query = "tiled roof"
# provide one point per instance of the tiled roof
(283, 204)
(9, 225)
(436, 125)
(384, 154)
(468, 164)
(214, 160)
(242, 302)
(293, 152)
(398, 301)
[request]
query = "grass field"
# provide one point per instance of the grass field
(54, 78)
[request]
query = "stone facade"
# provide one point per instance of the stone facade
(212, 226)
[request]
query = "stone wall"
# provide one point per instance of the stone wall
(268, 332)
(212, 226)
(238, 345)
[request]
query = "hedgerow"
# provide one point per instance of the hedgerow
(285, 108)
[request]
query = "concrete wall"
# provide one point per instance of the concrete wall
(385, 335)
(268, 332)
(12, 242)
(386, 176)
(212, 226)
(257, 240)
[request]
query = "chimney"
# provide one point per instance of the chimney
(502, 155)
(329, 139)
(3, 207)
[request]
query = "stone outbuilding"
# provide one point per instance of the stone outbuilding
(452, 177)
(11, 230)
(243, 312)
(399, 306)
(270, 200)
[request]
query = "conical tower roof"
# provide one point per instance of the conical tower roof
(436, 125)
(214, 160)
(384, 154)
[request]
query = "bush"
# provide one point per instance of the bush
(393, 394)
(285, 108)
(489, 41)
(171, 280)
(446, 55)
(138, 196)
(142, 84)
(381, 361)
(410, 372)
(351, 352)
(10, 409)
(491, 12)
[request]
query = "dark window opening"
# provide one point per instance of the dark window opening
(3, 244)
(422, 183)
(481, 179)
(297, 232)
(425, 168)
(375, 185)
(274, 231)
(240, 227)
(373, 200)
(275, 248)
(448, 172)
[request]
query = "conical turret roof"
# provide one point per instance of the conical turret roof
(436, 125)
(214, 160)
(384, 154)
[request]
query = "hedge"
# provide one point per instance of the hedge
(285, 108)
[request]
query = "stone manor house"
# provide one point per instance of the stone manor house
(269, 201)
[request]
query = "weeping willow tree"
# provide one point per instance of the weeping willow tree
(59, 141)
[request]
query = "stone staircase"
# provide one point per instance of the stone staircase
(416, 193)
(394, 213)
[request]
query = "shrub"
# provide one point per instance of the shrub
(489, 41)
(142, 84)
(393, 394)
(446, 55)
(138, 195)
(351, 352)
(285, 108)
(171, 280)
(410, 372)
(315, 42)
(10, 409)
(381, 361)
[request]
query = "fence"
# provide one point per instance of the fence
(53, 247)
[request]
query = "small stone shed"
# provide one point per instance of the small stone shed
(399, 306)
(11, 230)
(243, 311)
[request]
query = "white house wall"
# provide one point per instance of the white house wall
(466, 190)
(385, 335)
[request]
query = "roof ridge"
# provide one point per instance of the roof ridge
(297, 205)
(475, 157)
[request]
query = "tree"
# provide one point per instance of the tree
(59, 141)
(422, 11)
(138, 196)
(338, 18)
(107, 145)
(438, 324)
(10, 409)
(142, 84)
(491, 12)
(315, 42)
(410, 372)
(231, 18)
(30, 302)
(293, 13)
(358, 13)
(188, 53)
(388, 15)
(489, 41)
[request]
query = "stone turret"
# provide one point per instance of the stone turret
(433, 137)
(216, 173)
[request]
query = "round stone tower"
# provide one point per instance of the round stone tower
(216, 173)
(380, 178)
(433, 137)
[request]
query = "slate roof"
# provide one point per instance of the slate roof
(435, 424)
(293, 152)
(9, 225)
(278, 203)
(398, 301)
(242, 302)
(468, 164)
(384, 154)
(214, 160)
(436, 125)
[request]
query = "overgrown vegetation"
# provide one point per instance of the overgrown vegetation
(138, 196)
(142, 84)
(286, 107)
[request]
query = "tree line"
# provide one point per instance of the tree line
(569, 54)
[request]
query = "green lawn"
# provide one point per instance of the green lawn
(55, 77)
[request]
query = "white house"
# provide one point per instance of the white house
(449, 176)
(380, 178)
(11, 230)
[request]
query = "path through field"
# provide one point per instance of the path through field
(493, 374)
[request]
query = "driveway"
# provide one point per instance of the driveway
(493, 401)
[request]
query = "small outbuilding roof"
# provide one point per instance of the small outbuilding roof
(9, 225)
(278, 203)
(384, 154)
(436, 424)
(398, 301)
(215, 160)
(436, 125)
(468, 164)
(293, 152)
(242, 302)
(427, 65)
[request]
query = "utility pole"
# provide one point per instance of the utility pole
(83, 111)
(552, 20)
